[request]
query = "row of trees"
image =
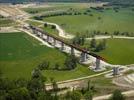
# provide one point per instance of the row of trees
(88, 34)
(70, 11)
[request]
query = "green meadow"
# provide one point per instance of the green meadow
(20, 54)
(119, 51)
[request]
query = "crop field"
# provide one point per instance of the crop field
(20, 54)
(106, 21)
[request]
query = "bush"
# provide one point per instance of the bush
(45, 25)
(71, 62)
(53, 27)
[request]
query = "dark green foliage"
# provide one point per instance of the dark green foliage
(78, 40)
(43, 66)
(44, 96)
(88, 95)
(57, 66)
(55, 86)
(18, 94)
(101, 46)
(35, 85)
(53, 27)
(97, 47)
(71, 62)
(45, 25)
(74, 95)
(117, 95)
(93, 43)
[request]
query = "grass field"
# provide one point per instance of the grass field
(106, 21)
(119, 51)
(20, 54)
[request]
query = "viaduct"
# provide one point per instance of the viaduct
(53, 40)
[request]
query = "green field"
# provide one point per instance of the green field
(109, 21)
(20, 54)
(119, 51)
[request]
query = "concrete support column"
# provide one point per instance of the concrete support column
(83, 57)
(72, 51)
(62, 46)
(51, 39)
(97, 64)
(47, 38)
(34, 31)
(38, 34)
(42, 35)
(54, 42)
(115, 70)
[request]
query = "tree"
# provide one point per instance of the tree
(76, 95)
(19, 94)
(54, 84)
(104, 43)
(88, 85)
(70, 62)
(93, 43)
(21, 82)
(78, 40)
(44, 96)
(57, 66)
(36, 73)
(101, 45)
(45, 25)
(44, 65)
(117, 95)
(88, 95)
(36, 85)
(53, 27)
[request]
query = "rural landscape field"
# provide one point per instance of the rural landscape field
(67, 50)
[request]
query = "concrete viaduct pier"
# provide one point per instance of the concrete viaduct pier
(62, 45)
